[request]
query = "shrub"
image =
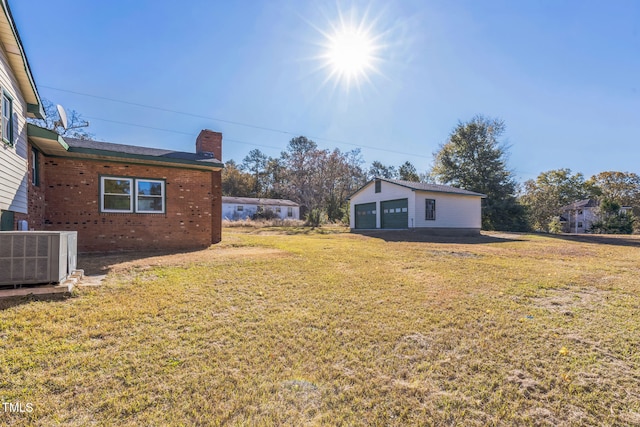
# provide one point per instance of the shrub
(264, 214)
(555, 226)
(316, 217)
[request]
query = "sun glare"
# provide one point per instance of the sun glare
(350, 53)
(351, 49)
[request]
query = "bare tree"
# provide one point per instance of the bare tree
(76, 124)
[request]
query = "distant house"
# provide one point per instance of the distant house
(236, 208)
(578, 217)
(438, 209)
(19, 99)
(123, 197)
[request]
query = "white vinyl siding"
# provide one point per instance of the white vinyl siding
(231, 212)
(14, 154)
(388, 191)
(452, 210)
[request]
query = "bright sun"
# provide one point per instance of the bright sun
(351, 49)
(350, 53)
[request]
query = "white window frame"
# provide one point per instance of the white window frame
(162, 196)
(134, 195)
(102, 194)
(240, 208)
(290, 212)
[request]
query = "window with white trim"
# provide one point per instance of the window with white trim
(7, 122)
(240, 208)
(149, 196)
(289, 212)
(129, 195)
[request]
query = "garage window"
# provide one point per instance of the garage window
(430, 209)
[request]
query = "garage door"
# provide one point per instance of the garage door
(395, 213)
(366, 215)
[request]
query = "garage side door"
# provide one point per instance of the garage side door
(395, 213)
(366, 215)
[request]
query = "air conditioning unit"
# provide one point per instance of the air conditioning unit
(31, 257)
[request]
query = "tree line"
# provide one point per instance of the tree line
(317, 179)
(473, 157)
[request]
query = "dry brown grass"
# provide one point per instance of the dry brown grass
(296, 327)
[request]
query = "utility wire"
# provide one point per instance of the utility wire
(177, 131)
(136, 104)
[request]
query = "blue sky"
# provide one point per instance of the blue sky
(563, 75)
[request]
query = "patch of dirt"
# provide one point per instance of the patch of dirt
(302, 395)
(119, 262)
(413, 346)
(565, 300)
(630, 418)
(454, 254)
(527, 385)
(543, 417)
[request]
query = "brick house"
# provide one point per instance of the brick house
(125, 198)
(117, 197)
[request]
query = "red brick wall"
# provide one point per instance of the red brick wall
(209, 141)
(193, 198)
(36, 200)
(216, 211)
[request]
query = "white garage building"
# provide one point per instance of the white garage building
(438, 209)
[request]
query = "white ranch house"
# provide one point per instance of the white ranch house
(436, 209)
(237, 208)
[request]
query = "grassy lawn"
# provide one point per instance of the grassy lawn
(293, 327)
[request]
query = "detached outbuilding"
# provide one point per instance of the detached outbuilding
(394, 204)
(236, 208)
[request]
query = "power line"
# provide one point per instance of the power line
(136, 104)
(178, 131)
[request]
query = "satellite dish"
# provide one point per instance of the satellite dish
(63, 117)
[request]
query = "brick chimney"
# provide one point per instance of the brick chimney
(209, 143)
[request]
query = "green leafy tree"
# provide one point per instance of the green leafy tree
(235, 182)
(473, 158)
(620, 187)
(612, 220)
(256, 163)
(379, 170)
(549, 192)
(408, 172)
